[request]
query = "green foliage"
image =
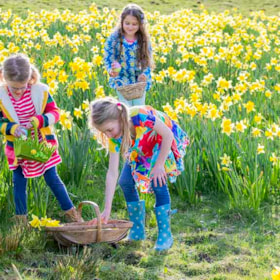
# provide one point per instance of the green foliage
(229, 235)
(168, 6)
(78, 153)
(210, 242)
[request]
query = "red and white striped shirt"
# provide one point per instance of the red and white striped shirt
(25, 109)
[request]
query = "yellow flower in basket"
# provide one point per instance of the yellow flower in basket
(33, 152)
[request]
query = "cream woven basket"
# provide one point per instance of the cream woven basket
(131, 91)
(83, 234)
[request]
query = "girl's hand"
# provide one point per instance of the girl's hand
(92, 222)
(104, 218)
(142, 78)
(29, 125)
(113, 74)
(158, 174)
(20, 130)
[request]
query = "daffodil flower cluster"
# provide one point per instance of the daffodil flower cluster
(222, 68)
(43, 222)
(275, 274)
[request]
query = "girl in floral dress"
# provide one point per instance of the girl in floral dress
(153, 147)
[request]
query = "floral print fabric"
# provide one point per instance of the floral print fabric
(130, 71)
(145, 148)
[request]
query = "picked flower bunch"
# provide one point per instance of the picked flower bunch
(43, 222)
(28, 148)
(275, 274)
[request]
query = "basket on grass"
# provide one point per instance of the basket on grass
(131, 91)
(82, 233)
(29, 148)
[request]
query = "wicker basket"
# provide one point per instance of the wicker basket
(132, 91)
(83, 234)
(31, 149)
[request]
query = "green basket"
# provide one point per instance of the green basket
(31, 149)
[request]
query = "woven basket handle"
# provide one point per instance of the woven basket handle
(119, 80)
(98, 215)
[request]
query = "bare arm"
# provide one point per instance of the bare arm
(158, 172)
(111, 182)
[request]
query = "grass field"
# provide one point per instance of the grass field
(218, 75)
(211, 242)
(271, 7)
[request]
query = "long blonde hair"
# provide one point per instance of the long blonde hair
(17, 68)
(108, 109)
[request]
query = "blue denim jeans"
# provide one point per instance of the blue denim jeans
(133, 102)
(53, 181)
(127, 184)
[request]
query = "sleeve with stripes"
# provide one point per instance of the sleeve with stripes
(7, 127)
(50, 115)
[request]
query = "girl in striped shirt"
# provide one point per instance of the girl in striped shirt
(23, 101)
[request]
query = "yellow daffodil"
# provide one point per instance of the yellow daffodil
(225, 160)
(35, 222)
(260, 149)
(274, 159)
(227, 126)
(240, 126)
(275, 274)
(43, 222)
(250, 106)
(78, 113)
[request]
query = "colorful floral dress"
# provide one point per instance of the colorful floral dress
(145, 148)
(130, 70)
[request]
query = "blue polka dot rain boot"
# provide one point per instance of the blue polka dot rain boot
(165, 239)
(136, 211)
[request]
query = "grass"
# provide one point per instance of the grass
(271, 7)
(211, 242)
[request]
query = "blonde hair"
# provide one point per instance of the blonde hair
(17, 68)
(108, 109)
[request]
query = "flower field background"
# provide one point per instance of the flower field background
(217, 74)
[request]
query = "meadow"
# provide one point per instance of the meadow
(217, 74)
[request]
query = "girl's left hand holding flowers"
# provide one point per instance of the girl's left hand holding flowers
(30, 123)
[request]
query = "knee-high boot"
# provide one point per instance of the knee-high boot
(136, 211)
(165, 239)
